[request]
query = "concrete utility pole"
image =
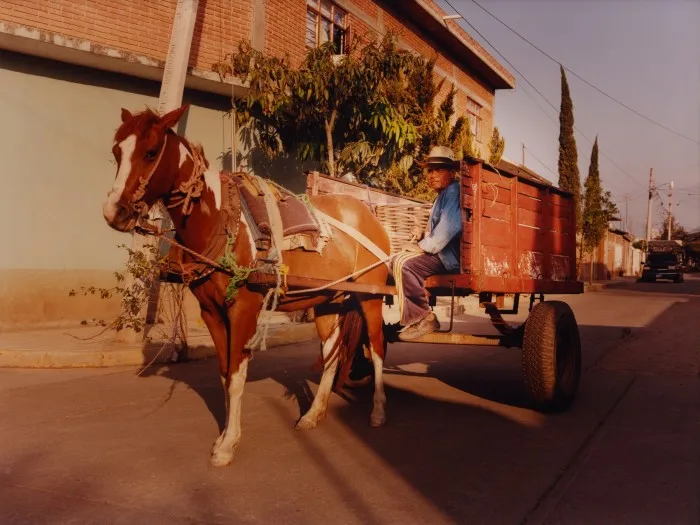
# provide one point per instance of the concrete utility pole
(523, 154)
(175, 72)
(670, 211)
(651, 196)
(171, 91)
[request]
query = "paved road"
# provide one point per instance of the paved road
(461, 444)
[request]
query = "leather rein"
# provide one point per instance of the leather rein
(185, 195)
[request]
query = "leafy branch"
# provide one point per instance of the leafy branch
(143, 268)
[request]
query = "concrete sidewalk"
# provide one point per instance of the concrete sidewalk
(618, 282)
(92, 347)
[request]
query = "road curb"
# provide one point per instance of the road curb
(33, 354)
(596, 287)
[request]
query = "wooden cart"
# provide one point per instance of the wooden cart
(518, 238)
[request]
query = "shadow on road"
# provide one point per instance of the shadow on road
(459, 419)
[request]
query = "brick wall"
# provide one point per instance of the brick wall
(285, 28)
(137, 26)
(143, 28)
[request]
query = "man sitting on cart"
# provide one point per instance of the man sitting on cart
(435, 251)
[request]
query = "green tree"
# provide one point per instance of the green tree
(610, 209)
(569, 178)
(496, 147)
(374, 113)
(327, 109)
(594, 217)
(678, 232)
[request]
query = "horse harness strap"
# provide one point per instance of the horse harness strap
(193, 187)
(355, 234)
(137, 202)
(224, 234)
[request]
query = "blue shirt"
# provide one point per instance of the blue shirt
(445, 226)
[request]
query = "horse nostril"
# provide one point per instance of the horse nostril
(122, 212)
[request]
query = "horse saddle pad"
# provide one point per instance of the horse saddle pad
(300, 228)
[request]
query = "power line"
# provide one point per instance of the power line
(543, 164)
(581, 78)
(540, 93)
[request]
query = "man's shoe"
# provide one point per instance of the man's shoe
(425, 326)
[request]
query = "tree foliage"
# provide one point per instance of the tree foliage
(346, 111)
(569, 178)
(375, 112)
(497, 146)
(594, 219)
(678, 232)
(610, 209)
(598, 206)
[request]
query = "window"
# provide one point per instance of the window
(474, 114)
(325, 22)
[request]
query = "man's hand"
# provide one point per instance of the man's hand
(411, 247)
(417, 232)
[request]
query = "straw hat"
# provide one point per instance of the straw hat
(442, 157)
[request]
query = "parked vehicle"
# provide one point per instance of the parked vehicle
(664, 261)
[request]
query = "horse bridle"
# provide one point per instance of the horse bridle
(137, 202)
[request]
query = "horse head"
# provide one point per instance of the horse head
(147, 154)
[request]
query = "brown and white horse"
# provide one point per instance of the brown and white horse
(154, 163)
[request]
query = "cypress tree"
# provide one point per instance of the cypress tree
(595, 219)
(569, 178)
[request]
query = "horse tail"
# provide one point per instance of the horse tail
(352, 335)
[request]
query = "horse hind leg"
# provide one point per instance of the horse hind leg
(329, 331)
(372, 310)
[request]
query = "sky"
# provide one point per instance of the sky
(644, 53)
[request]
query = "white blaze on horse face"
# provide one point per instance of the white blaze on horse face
(127, 147)
(213, 182)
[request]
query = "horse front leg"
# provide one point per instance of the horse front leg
(218, 330)
(328, 331)
(242, 319)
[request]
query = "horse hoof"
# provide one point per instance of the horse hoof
(306, 424)
(377, 420)
(220, 458)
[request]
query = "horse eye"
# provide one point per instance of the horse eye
(152, 154)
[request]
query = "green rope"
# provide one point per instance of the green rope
(239, 273)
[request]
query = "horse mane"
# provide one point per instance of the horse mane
(136, 125)
(148, 118)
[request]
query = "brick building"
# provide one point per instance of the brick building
(68, 66)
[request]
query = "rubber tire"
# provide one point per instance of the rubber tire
(551, 358)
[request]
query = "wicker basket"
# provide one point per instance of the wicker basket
(400, 219)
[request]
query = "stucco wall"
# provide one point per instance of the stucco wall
(56, 136)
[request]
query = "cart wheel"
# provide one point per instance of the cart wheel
(552, 356)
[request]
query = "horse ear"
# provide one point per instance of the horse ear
(126, 115)
(170, 119)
